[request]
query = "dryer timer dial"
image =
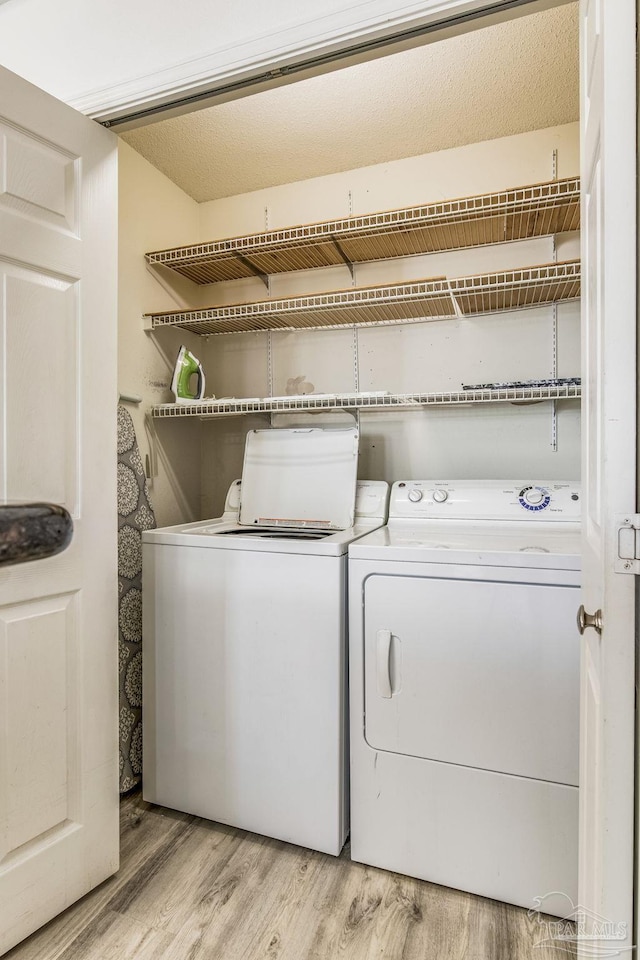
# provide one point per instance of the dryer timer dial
(415, 495)
(534, 498)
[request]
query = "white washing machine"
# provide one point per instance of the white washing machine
(464, 683)
(244, 643)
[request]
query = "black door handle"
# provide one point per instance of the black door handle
(33, 531)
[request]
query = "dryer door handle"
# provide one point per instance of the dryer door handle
(383, 651)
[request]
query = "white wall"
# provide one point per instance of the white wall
(106, 57)
(493, 441)
(154, 213)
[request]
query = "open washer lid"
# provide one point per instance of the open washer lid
(300, 478)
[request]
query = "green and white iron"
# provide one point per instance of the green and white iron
(187, 366)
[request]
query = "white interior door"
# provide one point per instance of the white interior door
(58, 647)
(608, 111)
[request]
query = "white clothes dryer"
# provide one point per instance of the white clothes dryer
(464, 682)
(244, 643)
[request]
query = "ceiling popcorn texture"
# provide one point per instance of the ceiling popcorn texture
(495, 82)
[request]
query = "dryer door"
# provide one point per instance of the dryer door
(472, 672)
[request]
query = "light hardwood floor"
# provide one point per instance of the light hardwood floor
(189, 889)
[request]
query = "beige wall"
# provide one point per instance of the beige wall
(154, 213)
(476, 168)
(493, 441)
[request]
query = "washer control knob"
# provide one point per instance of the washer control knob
(415, 495)
(439, 496)
(534, 496)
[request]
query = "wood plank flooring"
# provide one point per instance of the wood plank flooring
(189, 889)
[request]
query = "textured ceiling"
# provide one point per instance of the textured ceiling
(501, 80)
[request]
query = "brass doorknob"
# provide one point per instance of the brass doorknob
(589, 620)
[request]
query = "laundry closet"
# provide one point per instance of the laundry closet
(194, 460)
(427, 306)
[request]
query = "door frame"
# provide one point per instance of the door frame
(309, 47)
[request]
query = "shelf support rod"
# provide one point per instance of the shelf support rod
(554, 374)
(254, 270)
(554, 323)
(356, 360)
(456, 306)
(344, 257)
(270, 363)
(356, 370)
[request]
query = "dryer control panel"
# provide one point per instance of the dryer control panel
(526, 500)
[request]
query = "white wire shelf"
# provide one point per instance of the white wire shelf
(398, 402)
(434, 299)
(516, 214)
